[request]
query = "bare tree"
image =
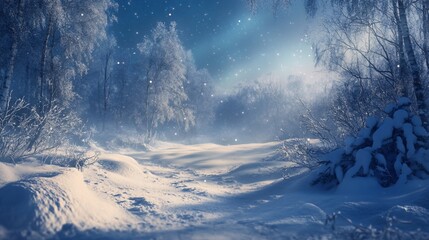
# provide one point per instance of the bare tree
(370, 42)
(104, 86)
(371, 45)
(414, 66)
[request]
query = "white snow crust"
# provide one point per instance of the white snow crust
(204, 191)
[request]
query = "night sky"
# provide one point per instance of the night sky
(225, 36)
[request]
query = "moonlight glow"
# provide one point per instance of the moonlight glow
(227, 39)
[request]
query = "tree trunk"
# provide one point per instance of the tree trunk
(106, 88)
(27, 81)
(425, 18)
(414, 67)
(53, 79)
(121, 97)
(403, 70)
(147, 99)
(5, 85)
(42, 73)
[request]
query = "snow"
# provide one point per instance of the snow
(339, 173)
(416, 121)
(419, 130)
(203, 191)
(47, 200)
(403, 102)
(422, 157)
(349, 141)
(383, 132)
(390, 108)
(395, 141)
(405, 172)
(398, 164)
(400, 144)
(371, 122)
(399, 117)
(410, 138)
(381, 160)
(335, 156)
(363, 160)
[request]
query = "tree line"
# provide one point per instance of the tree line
(60, 74)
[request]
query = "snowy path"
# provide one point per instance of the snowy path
(204, 191)
(177, 189)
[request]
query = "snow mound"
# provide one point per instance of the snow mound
(407, 214)
(12, 173)
(7, 174)
(120, 164)
(43, 205)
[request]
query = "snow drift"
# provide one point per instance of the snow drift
(204, 191)
(46, 203)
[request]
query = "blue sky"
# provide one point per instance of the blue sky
(224, 36)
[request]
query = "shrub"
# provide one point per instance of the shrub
(26, 132)
(391, 149)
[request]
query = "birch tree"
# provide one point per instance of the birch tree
(164, 77)
(12, 13)
(61, 36)
(199, 87)
(65, 32)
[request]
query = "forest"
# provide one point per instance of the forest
(82, 87)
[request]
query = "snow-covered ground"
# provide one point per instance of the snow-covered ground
(203, 191)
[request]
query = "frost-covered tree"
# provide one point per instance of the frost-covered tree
(96, 88)
(201, 98)
(63, 36)
(11, 25)
(76, 31)
(164, 78)
(127, 87)
(70, 31)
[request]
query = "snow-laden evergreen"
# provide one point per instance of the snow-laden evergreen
(391, 149)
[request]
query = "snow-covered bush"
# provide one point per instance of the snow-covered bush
(391, 149)
(25, 132)
(15, 126)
